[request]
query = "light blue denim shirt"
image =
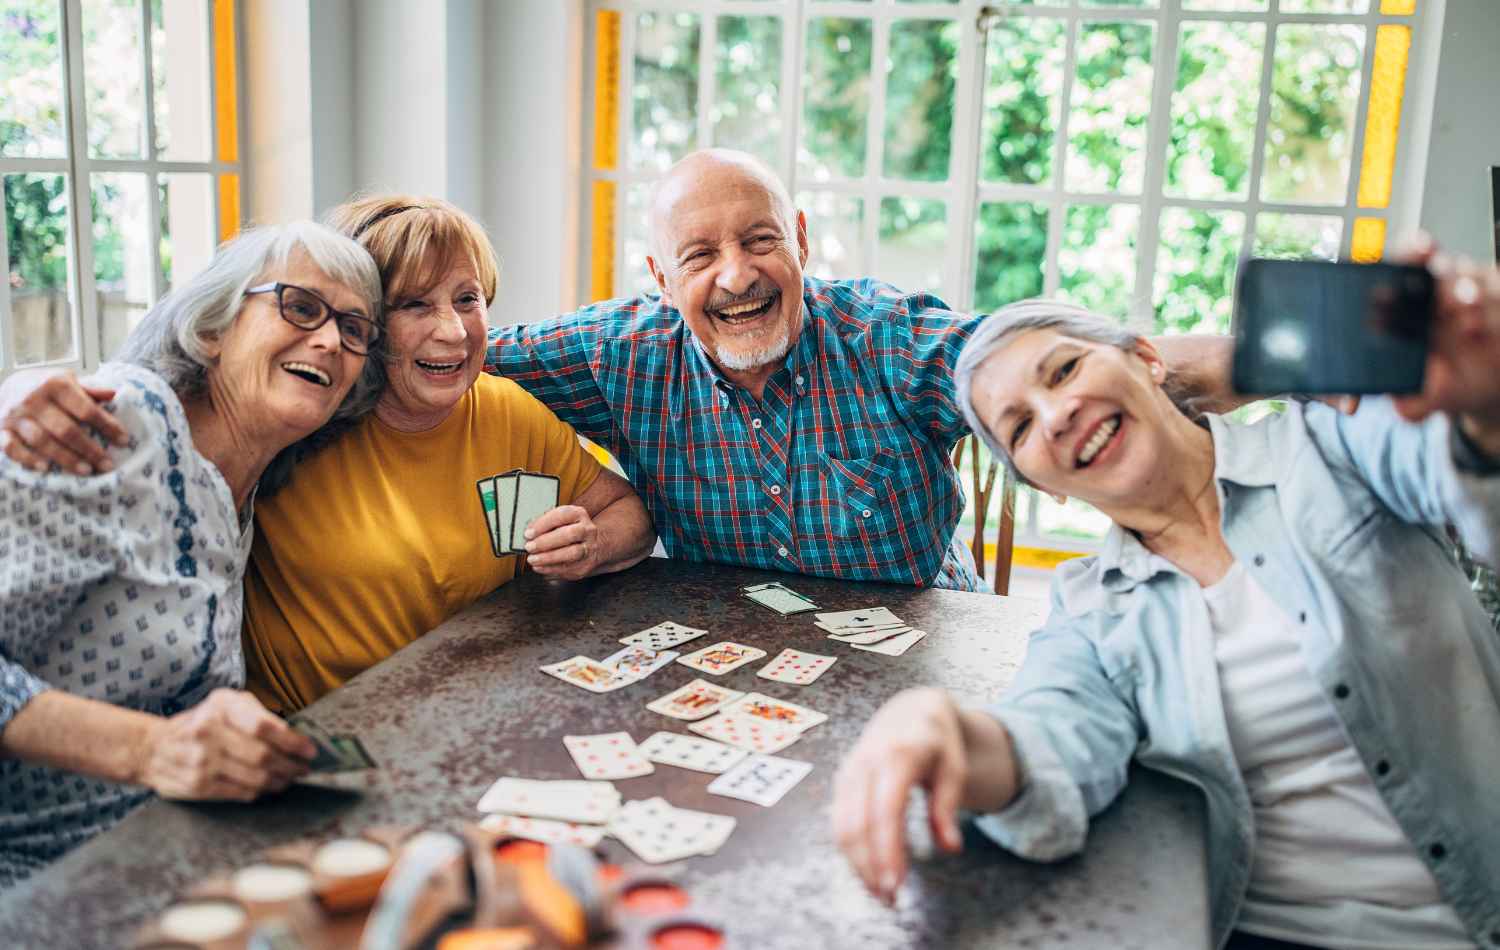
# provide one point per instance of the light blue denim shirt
(1338, 518)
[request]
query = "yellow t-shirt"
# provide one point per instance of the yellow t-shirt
(380, 537)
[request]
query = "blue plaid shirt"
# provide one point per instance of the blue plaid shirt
(842, 469)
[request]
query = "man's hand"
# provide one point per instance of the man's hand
(45, 416)
(915, 740)
(227, 747)
(564, 543)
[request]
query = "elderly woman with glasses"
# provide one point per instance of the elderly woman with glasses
(1274, 617)
(120, 601)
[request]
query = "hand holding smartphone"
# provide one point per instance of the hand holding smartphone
(1331, 327)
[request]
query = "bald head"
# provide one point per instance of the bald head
(715, 172)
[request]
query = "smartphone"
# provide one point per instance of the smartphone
(1331, 327)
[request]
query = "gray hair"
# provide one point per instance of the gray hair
(1001, 328)
(172, 340)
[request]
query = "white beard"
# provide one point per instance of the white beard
(746, 360)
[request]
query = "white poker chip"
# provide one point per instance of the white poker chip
(202, 921)
(268, 883)
(351, 857)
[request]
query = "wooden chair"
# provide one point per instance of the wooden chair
(984, 495)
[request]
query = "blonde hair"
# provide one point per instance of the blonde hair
(415, 241)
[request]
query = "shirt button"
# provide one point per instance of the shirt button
(866, 513)
(1260, 560)
(801, 381)
(1302, 617)
(1382, 768)
(782, 551)
(775, 489)
(755, 423)
(1437, 851)
(1341, 691)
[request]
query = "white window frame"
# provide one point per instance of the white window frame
(83, 304)
(963, 192)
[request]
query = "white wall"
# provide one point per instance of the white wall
(1465, 139)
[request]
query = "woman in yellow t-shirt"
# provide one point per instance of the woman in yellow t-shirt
(378, 536)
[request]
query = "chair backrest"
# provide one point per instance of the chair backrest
(983, 486)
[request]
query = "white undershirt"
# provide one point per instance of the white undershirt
(1331, 866)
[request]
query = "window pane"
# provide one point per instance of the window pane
(836, 99)
(1325, 6)
(31, 80)
(1225, 5)
(1313, 96)
(1195, 267)
(920, 75)
(122, 254)
(1024, 59)
(1298, 235)
(913, 249)
(36, 227)
(835, 233)
(1096, 262)
(666, 89)
(181, 80)
(1120, 3)
(187, 226)
(112, 67)
(1011, 249)
(635, 277)
(747, 108)
(1111, 98)
(1213, 110)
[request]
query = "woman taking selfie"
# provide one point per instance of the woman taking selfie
(1274, 617)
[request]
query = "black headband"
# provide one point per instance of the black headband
(381, 217)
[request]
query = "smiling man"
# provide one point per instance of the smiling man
(767, 418)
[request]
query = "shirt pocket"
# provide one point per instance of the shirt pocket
(859, 495)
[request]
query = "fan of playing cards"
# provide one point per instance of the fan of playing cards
(736, 733)
(512, 501)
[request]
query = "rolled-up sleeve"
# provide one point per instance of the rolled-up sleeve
(1073, 734)
(61, 534)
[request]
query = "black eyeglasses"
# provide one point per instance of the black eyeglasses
(305, 310)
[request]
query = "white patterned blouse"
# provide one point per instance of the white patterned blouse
(122, 587)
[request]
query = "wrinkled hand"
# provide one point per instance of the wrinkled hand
(227, 747)
(45, 417)
(915, 740)
(564, 543)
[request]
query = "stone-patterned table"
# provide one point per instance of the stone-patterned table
(466, 704)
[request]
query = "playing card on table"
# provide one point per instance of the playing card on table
(658, 832)
(589, 674)
(535, 496)
(867, 637)
(722, 657)
(544, 830)
(747, 732)
(777, 711)
(664, 636)
(865, 619)
(565, 800)
(691, 752)
(895, 646)
(762, 779)
(779, 598)
(796, 667)
(607, 756)
(694, 701)
(639, 661)
(335, 753)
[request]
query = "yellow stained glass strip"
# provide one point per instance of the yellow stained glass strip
(226, 85)
(602, 276)
(1383, 115)
(1398, 7)
(607, 90)
(1368, 243)
(229, 206)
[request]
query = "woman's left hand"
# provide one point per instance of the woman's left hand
(1463, 358)
(564, 543)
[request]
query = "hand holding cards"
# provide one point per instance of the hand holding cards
(336, 753)
(512, 501)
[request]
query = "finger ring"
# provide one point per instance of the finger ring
(1466, 291)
